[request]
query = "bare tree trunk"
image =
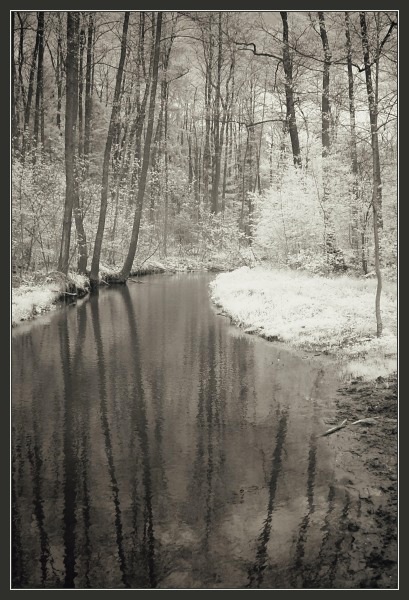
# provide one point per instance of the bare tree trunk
(80, 95)
(373, 116)
(14, 129)
(70, 135)
(157, 150)
(126, 269)
(21, 63)
(107, 158)
(88, 89)
(325, 104)
(30, 91)
(377, 181)
(334, 256)
(137, 128)
(79, 225)
(38, 120)
(166, 219)
(208, 102)
(59, 72)
(217, 140)
(289, 94)
(354, 155)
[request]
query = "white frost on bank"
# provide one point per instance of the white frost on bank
(36, 297)
(333, 314)
(28, 301)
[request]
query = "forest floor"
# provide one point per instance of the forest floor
(335, 317)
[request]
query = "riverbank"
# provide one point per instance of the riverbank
(333, 316)
(42, 293)
(39, 293)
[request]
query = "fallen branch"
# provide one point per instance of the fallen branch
(334, 429)
(135, 281)
(368, 421)
(106, 283)
(66, 293)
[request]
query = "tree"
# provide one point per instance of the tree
(94, 276)
(27, 109)
(88, 89)
(126, 269)
(14, 127)
(372, 92)
(330, 243)
(71, 110)
(217, 134)
(39, 108)
(289, 94)
(354, 152)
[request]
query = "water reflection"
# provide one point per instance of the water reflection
(155, 446)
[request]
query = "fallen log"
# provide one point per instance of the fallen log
(336, 428)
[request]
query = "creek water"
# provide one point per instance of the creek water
(156, 445)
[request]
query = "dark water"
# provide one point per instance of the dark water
(155, 445)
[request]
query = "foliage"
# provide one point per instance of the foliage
(218, 110)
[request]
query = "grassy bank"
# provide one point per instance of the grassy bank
(41, 293)
(331, 315)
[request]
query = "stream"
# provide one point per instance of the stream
(156, 445)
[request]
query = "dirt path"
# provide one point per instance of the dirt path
(371, 451)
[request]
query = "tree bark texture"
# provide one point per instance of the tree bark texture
(354, 155)
(71, 110)
(107, 157)
(38, 120)
(376, 170)
(30, 91)
(88, 88)
(126, 269)
(289, 94)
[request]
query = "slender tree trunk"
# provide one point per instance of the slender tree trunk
(208, 102)
(377, 181)
(14, 129)
(59, 72)
(39, 87)
(137, 131)
(217, 144)
(107, 158)
(289, 94)
(126, 269)
(88, 89)
(30, 91)
(166, 156)
(334, 256)
(325, 104)
(70, 135)
(158, 140)
(78, 214)
(373, 116)
(80, 95)
(354, 154)
(79, 225)
(21, 62)
(243, 188)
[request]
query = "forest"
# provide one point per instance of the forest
(204, 140)
(247, 162)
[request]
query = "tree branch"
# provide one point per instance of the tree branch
(254, 50)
